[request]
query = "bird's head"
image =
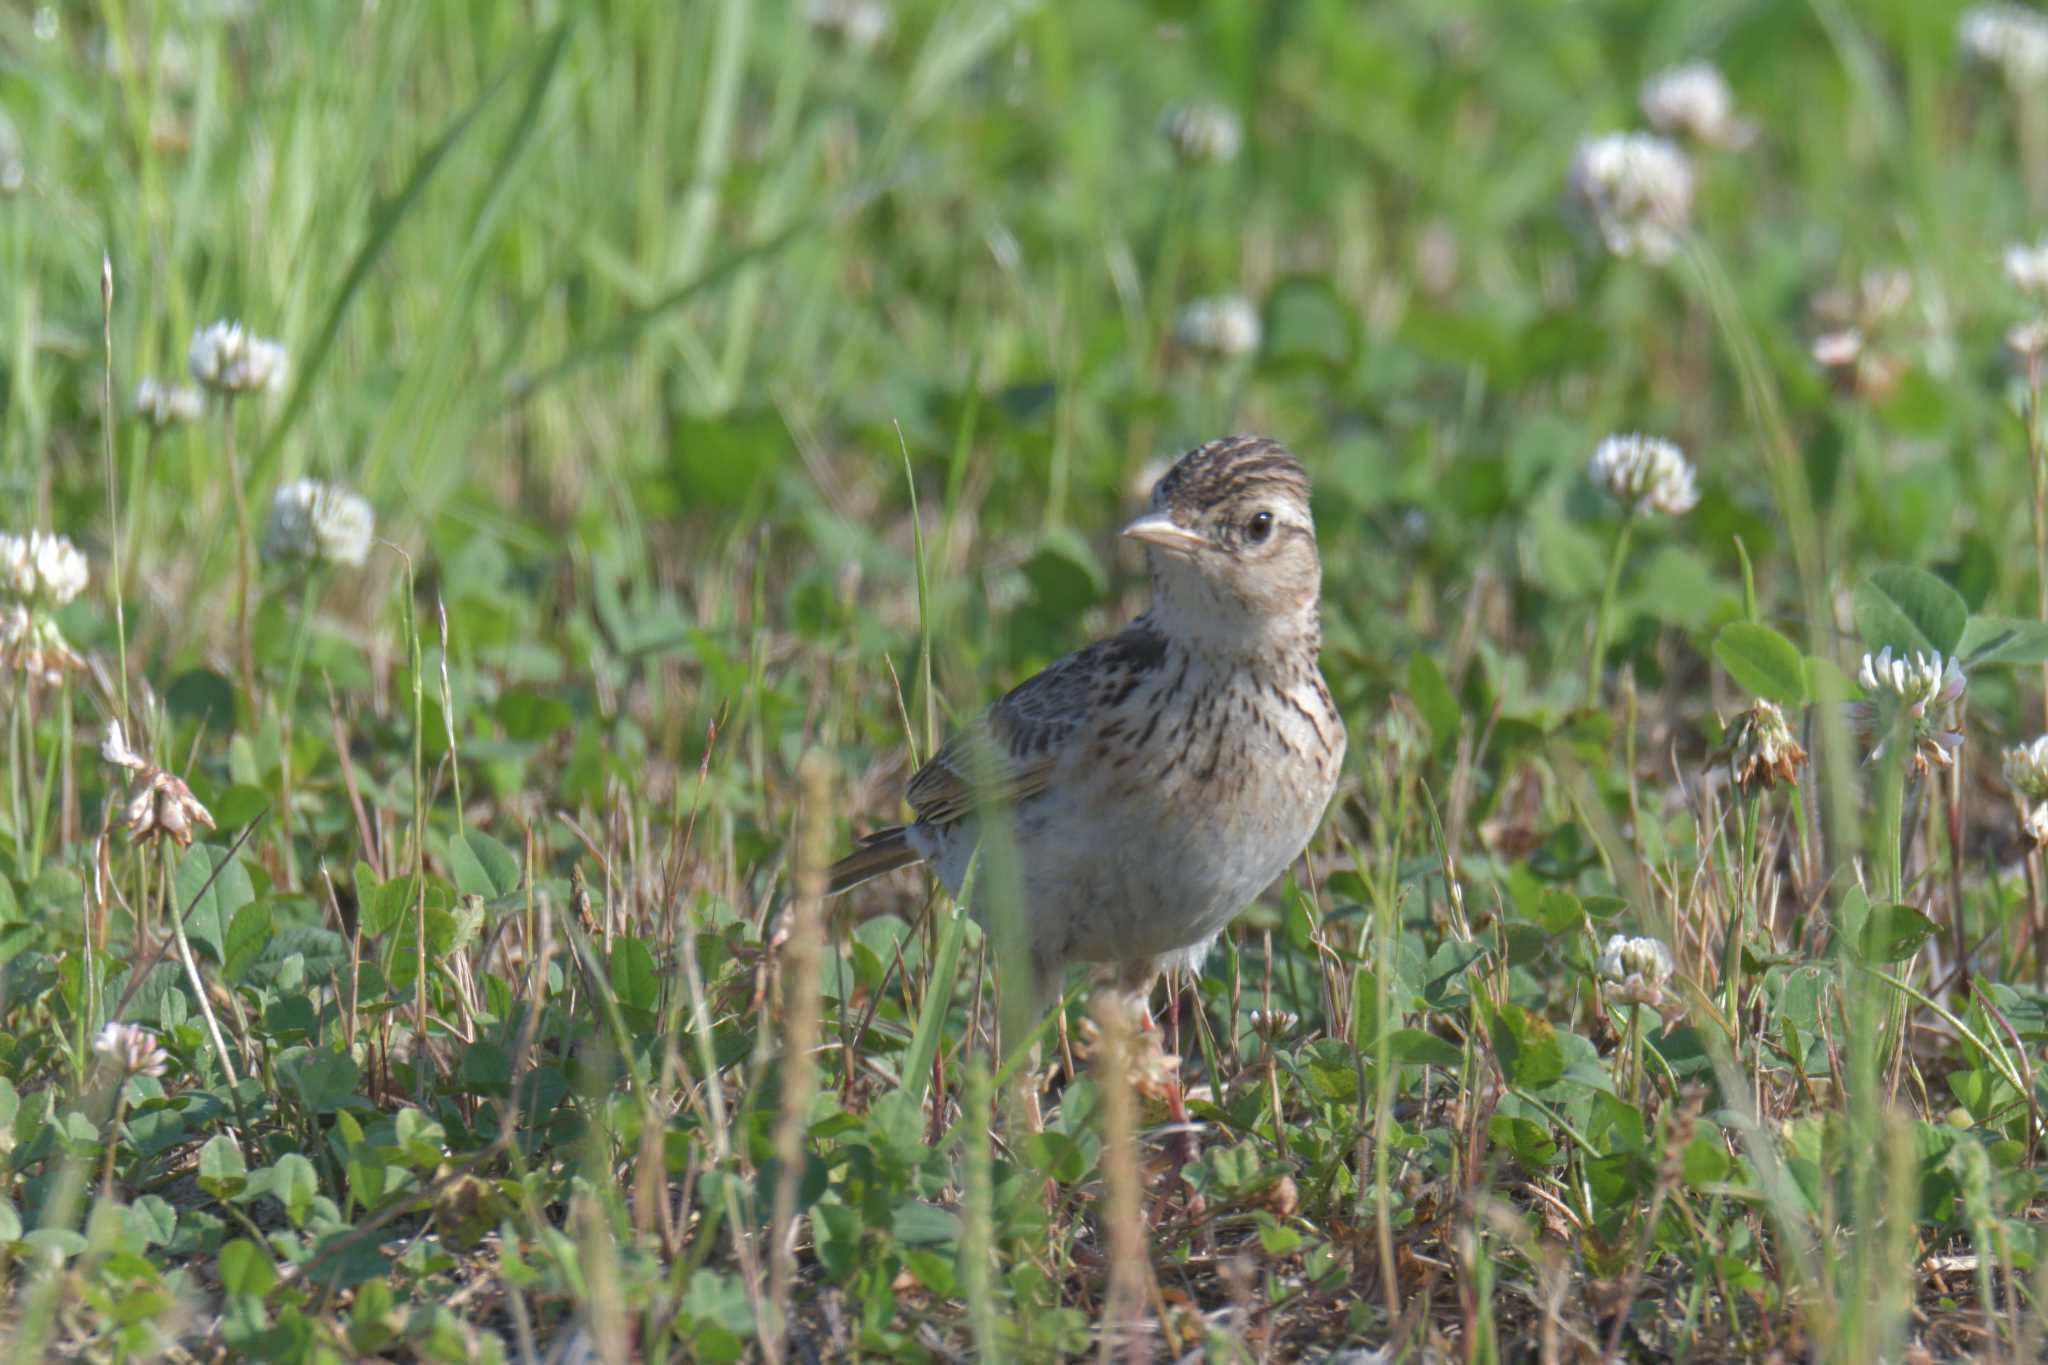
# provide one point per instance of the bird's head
(1230, 539)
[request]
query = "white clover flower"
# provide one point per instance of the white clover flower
(1636, 190)
(167, 405)
(2026, 769)
(229, 359)
(1917, 695)
(41, 569)
(319, 523)
(2013, 39)
(2026, 266)
(1644, 473)
(1224, 327)
(1202, 134)
(859, 24)
(1635, 970)
(131, 1049)
(1693, 100)
(1761, 749)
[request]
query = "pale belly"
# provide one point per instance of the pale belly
(1149, 862)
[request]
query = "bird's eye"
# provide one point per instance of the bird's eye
(1259, 527)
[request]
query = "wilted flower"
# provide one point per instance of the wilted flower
(1273, 1025)
(1761, 748)
(162, 804)
(2012, 38)
(1693, 100)
(1917, 695)
(859, 24)
(227, 359)
(1202, 133)
(1152, 1069)
(132, 1050)
(1636, 189)
(1225, 327)
(166, 405)
(2026, 769)
(1644, 473)
(318, 523)
(1635, 969)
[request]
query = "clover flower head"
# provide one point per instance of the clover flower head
(2026, 266)
(2026, 769)
(1918, 695)
(41, 569)
(318, 523)
(857, 24)
(164, 405)
(1223, 327)
(162, 805)
(229, 359)
(1693, 100)
(1761, 749)
(1202, 134)
(1644, 474)
(1635, 970)
(2011, 39)
(131, 1050)
(1636, 190)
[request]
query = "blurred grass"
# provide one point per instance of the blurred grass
(630, 318)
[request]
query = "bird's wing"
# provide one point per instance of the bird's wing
(1008, 753)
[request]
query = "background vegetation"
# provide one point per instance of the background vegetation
(731, 391)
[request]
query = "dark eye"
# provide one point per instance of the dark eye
(1259, 527)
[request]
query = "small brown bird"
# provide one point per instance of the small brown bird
(1157, 781)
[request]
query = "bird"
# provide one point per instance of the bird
(1156, 782)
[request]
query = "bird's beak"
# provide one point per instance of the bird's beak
(1157, 528)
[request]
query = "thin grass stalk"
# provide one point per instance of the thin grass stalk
(1123, 1309)
(177, 918)
(1603, 623)
(113, 483)
(977, 1232)
(800, 1020)
(245, 556)
(2037, 466)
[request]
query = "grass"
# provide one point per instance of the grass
(742, 409)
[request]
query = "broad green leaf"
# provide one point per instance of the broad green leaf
(1527, 1046)
(1762, 661)
(222, 1170)
(1993, 640)
(1893, 933)
(211, 887)
(248, 933)
(1910, 609)
(246, 1268)
(1433, 698)
(632, 974)
(1413, 1046)
(482, 866)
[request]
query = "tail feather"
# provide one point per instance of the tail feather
(883, 851)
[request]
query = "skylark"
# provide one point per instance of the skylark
(1157, 781)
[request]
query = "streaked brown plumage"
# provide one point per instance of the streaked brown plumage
(1156, 781)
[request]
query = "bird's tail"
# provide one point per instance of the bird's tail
(883, 851)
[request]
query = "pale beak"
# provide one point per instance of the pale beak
(1157, 528)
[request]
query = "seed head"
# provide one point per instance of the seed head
(130, 1050)
(1644, 473)
(1636, 191)
(1918, 695)
(318, 523)
(1224, 327)
(1761, 749)
(228, 359)
(1202, 134)
(856, 24)
(1693, 100)
(167, 405)
(2011, 39)
(1635, 970)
